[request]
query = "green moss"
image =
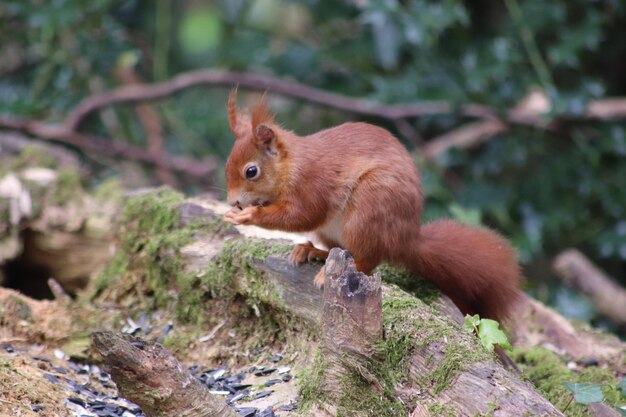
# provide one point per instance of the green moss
(405, 330)
(406, 327)
(111, 272)
(443, 410)
(358, 395)
(544, 369)
(33, 156)
(150, 241)
(409, 282)
(67, 187)
(110, 190)
(152, 238)
(149, 258)
(179, 341)
(236, 258)
(149, 215)
(311, 383)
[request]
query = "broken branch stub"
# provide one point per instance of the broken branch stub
(150, 376)
(351, 319)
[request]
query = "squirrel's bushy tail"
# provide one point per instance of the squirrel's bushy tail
(476, 267)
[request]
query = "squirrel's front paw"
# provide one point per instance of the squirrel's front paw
(245, 216)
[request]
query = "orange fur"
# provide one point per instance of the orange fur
(232, 110)
(261, 114)
(357, 187)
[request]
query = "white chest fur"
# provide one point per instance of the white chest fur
(333, 229)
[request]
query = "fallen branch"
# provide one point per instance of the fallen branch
(605, 293)
(150, 376)
(13, 144)
(101, 146)
(465, 137)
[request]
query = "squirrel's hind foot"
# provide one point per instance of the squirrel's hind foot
(306, 252)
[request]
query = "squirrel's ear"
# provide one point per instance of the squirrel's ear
(264, 135)
(266, 139)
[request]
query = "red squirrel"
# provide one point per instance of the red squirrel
(357, 187)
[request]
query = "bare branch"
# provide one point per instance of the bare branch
(467, 136)
(610, 108)
(263, 82)
(151, 122)
(95, 144)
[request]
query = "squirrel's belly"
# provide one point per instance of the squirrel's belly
(333, 228)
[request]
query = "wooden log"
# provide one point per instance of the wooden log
(440, 362)
(608, 296)
(150, 376)
(437, 367)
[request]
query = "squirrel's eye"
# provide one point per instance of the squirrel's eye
(252, 172)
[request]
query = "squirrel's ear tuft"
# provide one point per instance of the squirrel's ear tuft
(261, 113)
(232, 112)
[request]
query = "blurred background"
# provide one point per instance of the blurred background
(515, 109)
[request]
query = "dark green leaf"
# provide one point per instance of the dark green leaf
(586, 393)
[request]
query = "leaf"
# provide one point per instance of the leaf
(490, 334)
(471, 323)
(622, 386)
(586, 393)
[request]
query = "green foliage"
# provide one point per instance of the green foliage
(488, 331)
(546, 191)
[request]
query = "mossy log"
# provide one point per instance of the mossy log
(425, 364)
(177, 253)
